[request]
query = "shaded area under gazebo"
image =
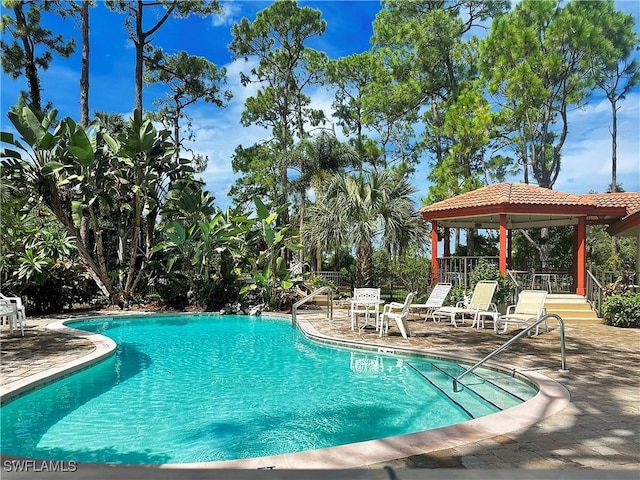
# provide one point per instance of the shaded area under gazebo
(512, 206)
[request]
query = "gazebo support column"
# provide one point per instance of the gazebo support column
(580, 256)
(434, 251)
(636, 280)
(447, 243)
(509, 248)
(503, 245)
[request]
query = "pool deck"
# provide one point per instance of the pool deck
(599, 429)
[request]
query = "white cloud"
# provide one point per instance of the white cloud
(586, 157)
(229, 15)
(217, 133)
(240, 92)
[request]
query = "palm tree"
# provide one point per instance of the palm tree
(321, 232)
(363, 209)
(317, 159)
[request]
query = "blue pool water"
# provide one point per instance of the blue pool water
(194, 388)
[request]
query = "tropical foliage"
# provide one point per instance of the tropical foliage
(486, 270)
(106, 192)
(364, 208)
(622, 310)
(118, 201)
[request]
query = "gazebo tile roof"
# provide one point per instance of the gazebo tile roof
(530, 206)
(510, 193)
(627, 200)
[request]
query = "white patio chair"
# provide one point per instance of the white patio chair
(398, 312)
(17, 301)
(9, 313)
(364, 301)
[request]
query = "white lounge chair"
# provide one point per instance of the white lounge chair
(436, 299)
(364, 301)
(480, 305)
(530, 307)
(398, 312)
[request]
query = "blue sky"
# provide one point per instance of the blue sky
(586, 163)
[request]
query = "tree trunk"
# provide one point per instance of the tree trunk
(134, 246)
(122, 241)
(176, 135)
(301, 251)
(544, 247)
(470, 249)
(139, 44)
(52, 198)
(524, 158)
(614, 145)
(97, 233)
(30, 68)
(364, 270)
(614, 160)
(84, 75)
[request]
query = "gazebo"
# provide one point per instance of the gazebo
(509, 206)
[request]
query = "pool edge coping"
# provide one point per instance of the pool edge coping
(103, 347)
(551, 398)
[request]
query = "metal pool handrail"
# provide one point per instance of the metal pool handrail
(456, 387)
(309, 297)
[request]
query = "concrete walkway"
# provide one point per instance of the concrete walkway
(600, 429)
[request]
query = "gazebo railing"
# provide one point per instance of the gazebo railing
(339, 279)
(551, 279)
(457, 270)
(594, 293)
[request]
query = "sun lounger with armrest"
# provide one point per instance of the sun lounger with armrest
(480, 305)
(436, 299)
(530, 307)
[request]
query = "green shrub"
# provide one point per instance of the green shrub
(64, 284)
(456, 294)
(486, 270)
(382, 268)
(413, 271)
(621, 284)
(622, 310)
(174, 290)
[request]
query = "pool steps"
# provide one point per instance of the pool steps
(480, 396)
(435, 385)
(452, 372)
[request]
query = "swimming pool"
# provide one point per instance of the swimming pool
(204, 388)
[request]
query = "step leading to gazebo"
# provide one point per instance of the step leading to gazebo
(572, 308)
